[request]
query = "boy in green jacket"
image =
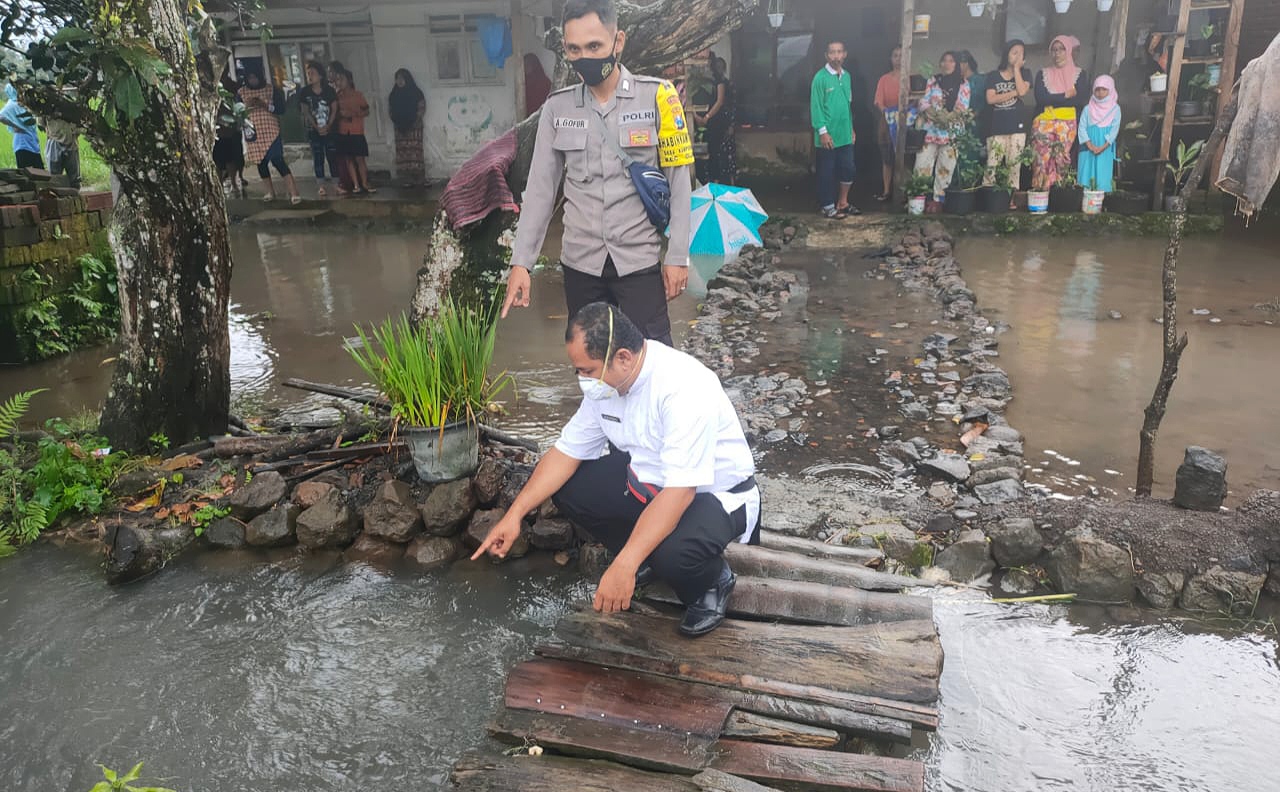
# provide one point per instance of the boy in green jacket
(831, 115)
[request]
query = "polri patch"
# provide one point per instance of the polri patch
(638, 116)
(571, 123)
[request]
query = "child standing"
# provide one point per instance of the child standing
(1099, 128)
(353, 108)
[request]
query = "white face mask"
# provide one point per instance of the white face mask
(596, 389)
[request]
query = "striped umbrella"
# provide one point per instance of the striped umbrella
(725, 219)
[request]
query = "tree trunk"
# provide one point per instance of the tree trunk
(170, 240)
(658, 34)
(1173, 343)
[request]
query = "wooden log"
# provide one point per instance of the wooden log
(760, 562)
(545, 685)
(351, 394)
(357, 450)
(828, 771)
(760, 728)
(897, 660)
(803, 768)
(812, 603)
(229, 446)
(558, 773)
(716, 781)
(816, 549)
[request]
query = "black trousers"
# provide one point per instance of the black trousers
(32, 159)
(640, 295)
(688, 560)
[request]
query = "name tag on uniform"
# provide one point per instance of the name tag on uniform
(637, 116)
(571, 123)
(611, 418)
(640, 137)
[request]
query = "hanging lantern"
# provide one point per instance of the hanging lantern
(1061, 6)
(976, 7)
(776, 12)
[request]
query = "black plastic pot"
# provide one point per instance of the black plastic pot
(960, 202)
(1188, 108)
(918, 82)
(1065, 199)
(1126, 202)
(915, 139)
(1199, 48)
(995, 200)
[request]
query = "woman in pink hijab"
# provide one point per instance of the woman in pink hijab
(1062, 90)
(1099, 128)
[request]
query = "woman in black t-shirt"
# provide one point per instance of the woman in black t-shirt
(316, 102)
(722, 146)
(1007, 124)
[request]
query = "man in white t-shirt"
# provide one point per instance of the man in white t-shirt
(677, 486)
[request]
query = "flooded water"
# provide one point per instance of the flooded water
(1081, 378)
(295, 297)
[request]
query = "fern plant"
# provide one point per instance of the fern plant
(14, 408)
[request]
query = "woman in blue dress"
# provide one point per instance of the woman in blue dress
(1099, 127)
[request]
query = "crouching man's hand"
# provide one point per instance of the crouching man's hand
(615, 589)
(501, 537)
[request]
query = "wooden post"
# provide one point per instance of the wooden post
(1227, 77)
(519, 24)
(1171, 101)
(904, 97)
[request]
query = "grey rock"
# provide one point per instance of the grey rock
(1161, 589)
(942, 493)
(919, 442)
(775, 435)
(1017, 583)
(1004, 434)
(331, 522)
(431, 552)
(1272, 586)
(989, 385)
(941, 523)
(448, 507)
(991, 475)
(375, 551)
(1092, 569)
(392, 515)
(975, 414)
(939, 341)
(478, 529)
(225, 533)
(552, 533)
(1201, 481)
(903, 452)
(260, 494)
(308, 492)
(1015, 541)
(964, 515)
(1003, 491)
(915, 411)
(996, 460)
(1223, 590)
(968, 558)
(951, 467)
(517, 477)
(888, 432)
(276, 527)
(488, 481)
(898, 541)
(593, 560)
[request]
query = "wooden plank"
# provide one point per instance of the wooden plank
(803, 602)
(529, 687)
(546, 773)
(1171, 99)
(1227, 75)
(896, 660)
(906, 32)
(802, 768)
(816, 549)
(616, 696)
(760, 728)
(820, 770)
(760, 562)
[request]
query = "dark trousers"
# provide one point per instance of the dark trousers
(640, 295)
(28, 159)
(688, 560)
(834, 166)
(274, 156)
(323, 149)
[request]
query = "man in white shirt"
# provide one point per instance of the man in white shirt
(678, 489)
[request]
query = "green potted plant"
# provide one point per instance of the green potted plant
(998, 198)
(962, 194)
(1184, 161)
(1196, 92)
(1066, 195)
(435, 374)
(919, 188)
(1201, 47)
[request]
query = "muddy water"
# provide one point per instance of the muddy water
(295, 297)
(1081, 378)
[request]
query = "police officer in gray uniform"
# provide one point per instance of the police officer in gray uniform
(610, 250)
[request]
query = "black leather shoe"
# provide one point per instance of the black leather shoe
(645, 575)
(707, 613)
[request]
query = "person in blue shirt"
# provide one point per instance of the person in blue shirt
(26, 140)
(1099, 128)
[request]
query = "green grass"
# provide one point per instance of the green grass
(95, 173)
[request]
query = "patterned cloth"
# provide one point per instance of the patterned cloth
(1051, 140)
(266, 126)
(934, 97)
(943, 156)
(410, 165)
(480, 185)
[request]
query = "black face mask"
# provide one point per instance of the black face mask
(596, 70)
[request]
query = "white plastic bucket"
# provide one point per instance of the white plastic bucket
(1092, 203)
(976, 7)
(1062, 6)
(1038, 201)
(1159, 82)
(915, 205)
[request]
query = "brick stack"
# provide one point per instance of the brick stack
(45, 227)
